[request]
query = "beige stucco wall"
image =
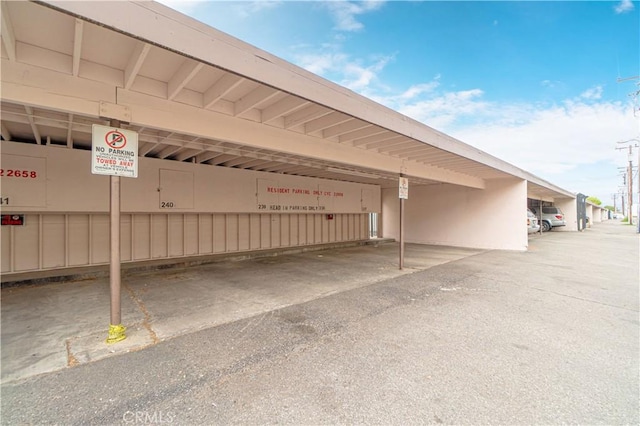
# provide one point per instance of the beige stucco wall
(214, 210)
(493, 218)
(60, 180)
(569, 207)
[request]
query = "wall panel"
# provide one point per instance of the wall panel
(5, 249)
(232, 232)
(53, 241)
(311, 236)
(99, 238)
(176, 235)
(164, 186)
(302, 229)
(78, 232)
(141, 236)
(25, 245)
(256, 231)
(285, 230)
(220, 233)
(275, 221)
(125, 237)
(159, 236)
(50, 241)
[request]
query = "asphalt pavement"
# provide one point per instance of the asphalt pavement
(548, 336)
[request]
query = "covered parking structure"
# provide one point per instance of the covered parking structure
(239, 151)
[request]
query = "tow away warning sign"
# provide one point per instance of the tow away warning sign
(114, 151)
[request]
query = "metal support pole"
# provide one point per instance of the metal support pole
(540, 214)
(401, 261)
(401, 233)
(116, 329)
(630, 199)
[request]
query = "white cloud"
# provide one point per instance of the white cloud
(245, 9)
(571, 143)
(360, 77)
(321, 63)
(441, 110)
(554, 139)
(550, 84)
(341, 68)
(345, 13)
(592, 93)
(419, 89)
(624, 6)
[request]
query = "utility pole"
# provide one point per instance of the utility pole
(630, 180)
(635, 94)
(630, 147)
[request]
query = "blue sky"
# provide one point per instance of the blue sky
(533, 83)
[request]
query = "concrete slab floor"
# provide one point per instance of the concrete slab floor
(58, 325)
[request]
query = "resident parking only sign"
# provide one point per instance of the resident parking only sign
(114, 151)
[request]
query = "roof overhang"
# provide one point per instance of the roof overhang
(196, 94)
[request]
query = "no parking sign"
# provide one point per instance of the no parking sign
(114, 151)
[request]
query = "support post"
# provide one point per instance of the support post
(630, 199)
(540, 214)
(116, 329)
(401, 261)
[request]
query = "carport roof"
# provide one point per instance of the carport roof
(196, 94)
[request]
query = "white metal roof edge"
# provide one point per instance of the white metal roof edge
(162, 26)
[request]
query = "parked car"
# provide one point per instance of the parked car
(552, 217)
(532, 222)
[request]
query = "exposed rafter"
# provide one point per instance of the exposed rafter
(135, 63)
(168, 151)
(5, 133)
(150, 146)
(254, 99)
(8, 36)
(263, 166)
(343, 128)
(405, 151)
(189, 153)
(374, 139)
(282, 107)
(219, 159)
(220, 88)
(326, 121)
(431, 155)
(182, 77)
(246, 163)
(390, 141)
(305, 115)
(32, 123)
(362, 133)
(70, 132)
(208, 155)
(77, 46)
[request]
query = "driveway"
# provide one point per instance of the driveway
(549, 336)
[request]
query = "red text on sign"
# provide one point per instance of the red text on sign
(31, 174)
